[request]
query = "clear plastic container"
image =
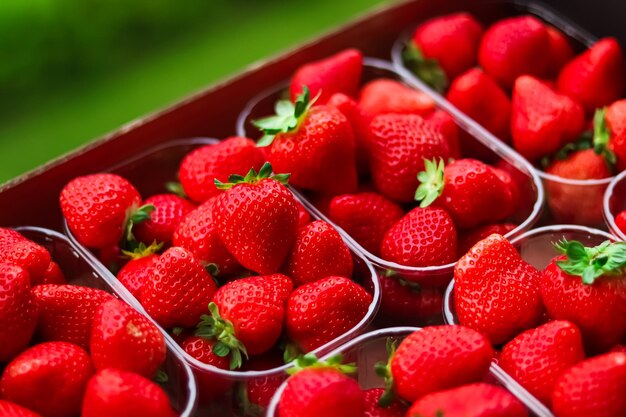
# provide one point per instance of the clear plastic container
(560, 192)
(368, 349)
(486, 147)
(181, 384)
(614, 203)
(148, 172)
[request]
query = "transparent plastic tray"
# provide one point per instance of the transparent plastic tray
(614, 203)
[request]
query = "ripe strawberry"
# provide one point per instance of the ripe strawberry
(303, 215)
(618, 348)
(53, 275)
(538, 357)
(610, 126)
(350, 108)
(474, 236)
(481, 98)
(594, 387)
(542, 120)
(169, 210)
(210, 385)
(235, 155)
(178, 290)
(620, 221)
(112, 392)
(339, 73)
(399, 145)
(139, 268)
(320, 311)
(9, 409)
(446, 125)
(561, 51)
(256, 393)
(17, 250)
(318, 252)
(48, 378)
(257, 219)
(246, 316)
(596, 303)
(423, 237)
(124, 339)
(595, 78)
(373, 409)
(384, 96)
(101, 208)
(315, 144)
(18, 314)
(476, 400)
(66, 312)
(513, 47)
(495, 291)
(406, 302)
(444, 47)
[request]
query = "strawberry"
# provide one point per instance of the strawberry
(339, 73)
(320, 311)
(100, 209)
(596, 303)
(618, 348)
(113, 392)
(9, 409)
(495, 291)
(18, 314)
(538, 357)
(17, 250)
(202, 349)
(321, 389)
(303, 215)
(124, 339)
(179, 289)
(423, 237)
(66, 312)
(366, 217)
(234, 155)
(139, 268)
(594, 387)
(443, 47)
(246, 316)
(315, 144)
(595, 78)
(513, 47)
(384, 96)
(399, 145)
(561, 51)
(373, 409)
(318, 252)
(257, 219)
(256, 393)
(406, 302)
(169, 210)
(542, 120)
(481, 98)
(610, 131)
(350, 108)
(620, 221)
(447, 127)
(468, 189)
(48, 378)
(474, 236)
(53, 275)
(476, 400)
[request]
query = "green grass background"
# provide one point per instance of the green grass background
(71, 70)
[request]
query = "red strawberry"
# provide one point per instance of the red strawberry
(594, 387)
(66, 312)
(53, 275)
(18, 314)
(542, 120)
(100, 208)
(235, 155)
(513, 47)
(139, 269)
(169, 210)
(423, 237)
(112, 392)
(476, 235)
(495, 291)
(407, 302)
(538, 357)
(318, 252)
(437, 358)
(17, 250)
(124, 339)
(339, 73)
(613, 130)
(595, 78)
(444, 47)
(303, 215)
(257, 219)
(373, 409)
(9, 409)
(320, 311)
(561, 51)
(315, 144)
(618, 348)
(481, 98)
(620, 221)
(399, 146)
(446, 125)
(350, 108)
(48, 378)
(210, 385)
(258, 392)
(596, 303)
(179, 289)
(476, 400)
(384, 96)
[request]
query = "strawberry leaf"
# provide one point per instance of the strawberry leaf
(161, 377)
(252, 177)
(590, 263)
(601, 138)
(310, 361)
(427, 69)
(431, 182)
(175, 188)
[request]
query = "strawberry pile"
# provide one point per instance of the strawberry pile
(562, 330)
(521, 79)
(67, 349)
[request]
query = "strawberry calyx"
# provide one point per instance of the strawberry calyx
(252, 177)
(431, 182)
(427, 69)
(310, 361)
(175, 188)
(141, 251)
(591, 263)
(383, 370)
(135, 216)
(248, 408)
(291, 352)
(161, 377)
(601, 137)
(214, 327)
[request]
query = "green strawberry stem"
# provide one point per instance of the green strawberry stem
(214, 327)
(252, 177)
(310, 361)
(590, 263)
(601, 137)
(141, 251)
(161, 377)
(431, 182)
(291, 352)
(175, 188)
(135, 216)
(383, 370)
(426, 69)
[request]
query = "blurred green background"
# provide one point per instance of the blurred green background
(72, 70)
